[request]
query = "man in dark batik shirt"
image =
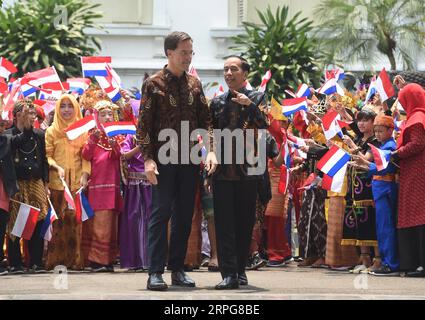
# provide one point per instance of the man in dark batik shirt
(169, 97)
(235, 190)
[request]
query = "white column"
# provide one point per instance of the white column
(160, 13)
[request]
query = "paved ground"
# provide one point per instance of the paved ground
(284, 283)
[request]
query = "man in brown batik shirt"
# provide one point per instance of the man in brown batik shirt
(169, 97)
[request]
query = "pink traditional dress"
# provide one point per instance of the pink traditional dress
(100, 234)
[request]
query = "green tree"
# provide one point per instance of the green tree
(281, 44)
(353, 30)
(41, 33)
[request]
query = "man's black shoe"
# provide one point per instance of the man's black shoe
(156, 283)
(228, 283)
(243, 279)
(180, 278)
(418, 273)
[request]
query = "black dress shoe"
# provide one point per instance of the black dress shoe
(180, 278)
(416, 274)
(228, 283)
(243, 279)
(156, 283)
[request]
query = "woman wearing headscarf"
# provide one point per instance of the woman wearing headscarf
(411, 151)
(66, 163)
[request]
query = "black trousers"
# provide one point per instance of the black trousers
(4, 218)
(411, 243)
(173, 196)
(35, 249)
(234, 216)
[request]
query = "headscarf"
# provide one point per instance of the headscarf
(59, 124)
(412, 99)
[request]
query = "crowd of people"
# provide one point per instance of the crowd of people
(150, 215)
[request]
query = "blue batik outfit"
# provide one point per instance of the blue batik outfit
(385, 192)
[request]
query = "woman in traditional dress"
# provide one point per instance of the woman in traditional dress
(137, 207)
(100, 233)
(66, 164)
(360, 218)
(411, 214)
(338, 257)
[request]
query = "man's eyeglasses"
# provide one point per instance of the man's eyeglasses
(186, 53)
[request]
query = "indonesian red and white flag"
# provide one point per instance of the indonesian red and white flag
(6, 68)
(41, 77)
(81, 126)
(25, 221)
(384, 86)
(68, 196)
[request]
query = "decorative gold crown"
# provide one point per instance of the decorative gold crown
(92, 95)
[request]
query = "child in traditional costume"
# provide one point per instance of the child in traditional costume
(100, 234)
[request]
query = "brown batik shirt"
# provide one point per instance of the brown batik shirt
(166, 101)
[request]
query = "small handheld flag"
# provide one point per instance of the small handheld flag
(81, 126)
(95, 66)
(333, 161)
(42, 77)
(83, 209)
(303, 91)
(25, 221)
(331, 123)
(113, 129)
(380, 157)
(78, 85)
(265, 79)
(47, 227)
(291, 106)
(384, 86)
(68, 195)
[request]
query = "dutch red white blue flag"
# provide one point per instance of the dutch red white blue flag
(78, 85)
(110, 84)
(303, 91)
(333, 161)
(83, 209)
(291, 106)
(113, 129)
(332, 124)
(47, 227)
(95, 66)
(334, 165)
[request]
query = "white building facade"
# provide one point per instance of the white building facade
(134, 30)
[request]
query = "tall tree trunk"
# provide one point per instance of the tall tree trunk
(391, 57)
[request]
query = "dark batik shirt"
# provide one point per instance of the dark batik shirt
(166, 101)
(227, 114)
